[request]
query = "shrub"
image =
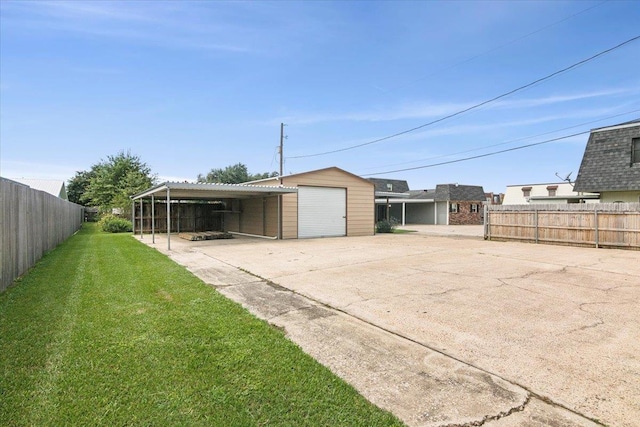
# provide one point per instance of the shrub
(112, 224)
(386, 225)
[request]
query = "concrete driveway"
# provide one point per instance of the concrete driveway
(449, 330)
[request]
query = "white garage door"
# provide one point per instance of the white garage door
(322, 212)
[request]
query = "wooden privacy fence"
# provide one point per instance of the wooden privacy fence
(32, 222)
(612, 225)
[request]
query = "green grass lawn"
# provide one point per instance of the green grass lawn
(106, 331)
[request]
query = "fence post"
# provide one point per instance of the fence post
(536, 229)
(486, 220)
(595, 214)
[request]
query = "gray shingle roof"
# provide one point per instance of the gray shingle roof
(460, 192)
(606, 163)
(399, 185)
(422, 194)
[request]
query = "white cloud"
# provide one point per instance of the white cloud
(433, 110)
(24, 169)
(165, 24)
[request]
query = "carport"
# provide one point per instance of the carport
(228, 198)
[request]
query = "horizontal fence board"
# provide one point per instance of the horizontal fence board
(615, 225)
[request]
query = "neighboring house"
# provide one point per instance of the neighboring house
(611, 163)
(446, 204)
(463, 204)
(384, 191)
(551, 193)
(391, 187)
(494, 198)
(51, 186)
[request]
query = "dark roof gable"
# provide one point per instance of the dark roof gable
(461, 193)
(398, 185)
(422, 194)
(606, 163)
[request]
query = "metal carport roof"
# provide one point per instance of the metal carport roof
(211, 191)
(207, 191)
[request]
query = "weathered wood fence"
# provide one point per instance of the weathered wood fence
(32, 222)
(612, 225)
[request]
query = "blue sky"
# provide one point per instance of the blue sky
(190, 86)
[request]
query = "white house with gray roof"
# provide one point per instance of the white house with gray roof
(447, 204)
(547, 193)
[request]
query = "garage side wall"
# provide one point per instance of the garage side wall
(257, 216)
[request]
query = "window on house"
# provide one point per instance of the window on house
(453, 208)
(389, 187)
(635, 150)
(475, 208)
(553, 190)
(526, 191)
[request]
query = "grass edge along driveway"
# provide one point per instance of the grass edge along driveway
(106, 331)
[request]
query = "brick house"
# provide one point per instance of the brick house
(463, 204)
(447, 204)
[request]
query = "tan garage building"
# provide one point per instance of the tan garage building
(329, 202)
(322, 203)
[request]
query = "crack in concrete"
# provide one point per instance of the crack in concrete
(566, 267)
(452, 357)
(503, 283)
(500, 415)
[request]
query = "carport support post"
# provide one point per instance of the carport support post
(168, 219)
(388, 218)
(404, 211)
(153, 219)
(141, 218)
(133, 217)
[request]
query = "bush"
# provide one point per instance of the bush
(386, 225)
(112, 224)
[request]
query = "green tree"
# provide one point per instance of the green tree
(113, 181)
(234, 174)
(77, 186)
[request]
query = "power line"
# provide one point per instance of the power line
(480, 155)
(517, 39)
(510, 141)
(473, 107)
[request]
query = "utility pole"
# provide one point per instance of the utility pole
(281, 150)
(280, 178)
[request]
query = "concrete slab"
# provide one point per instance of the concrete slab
(425, 326)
